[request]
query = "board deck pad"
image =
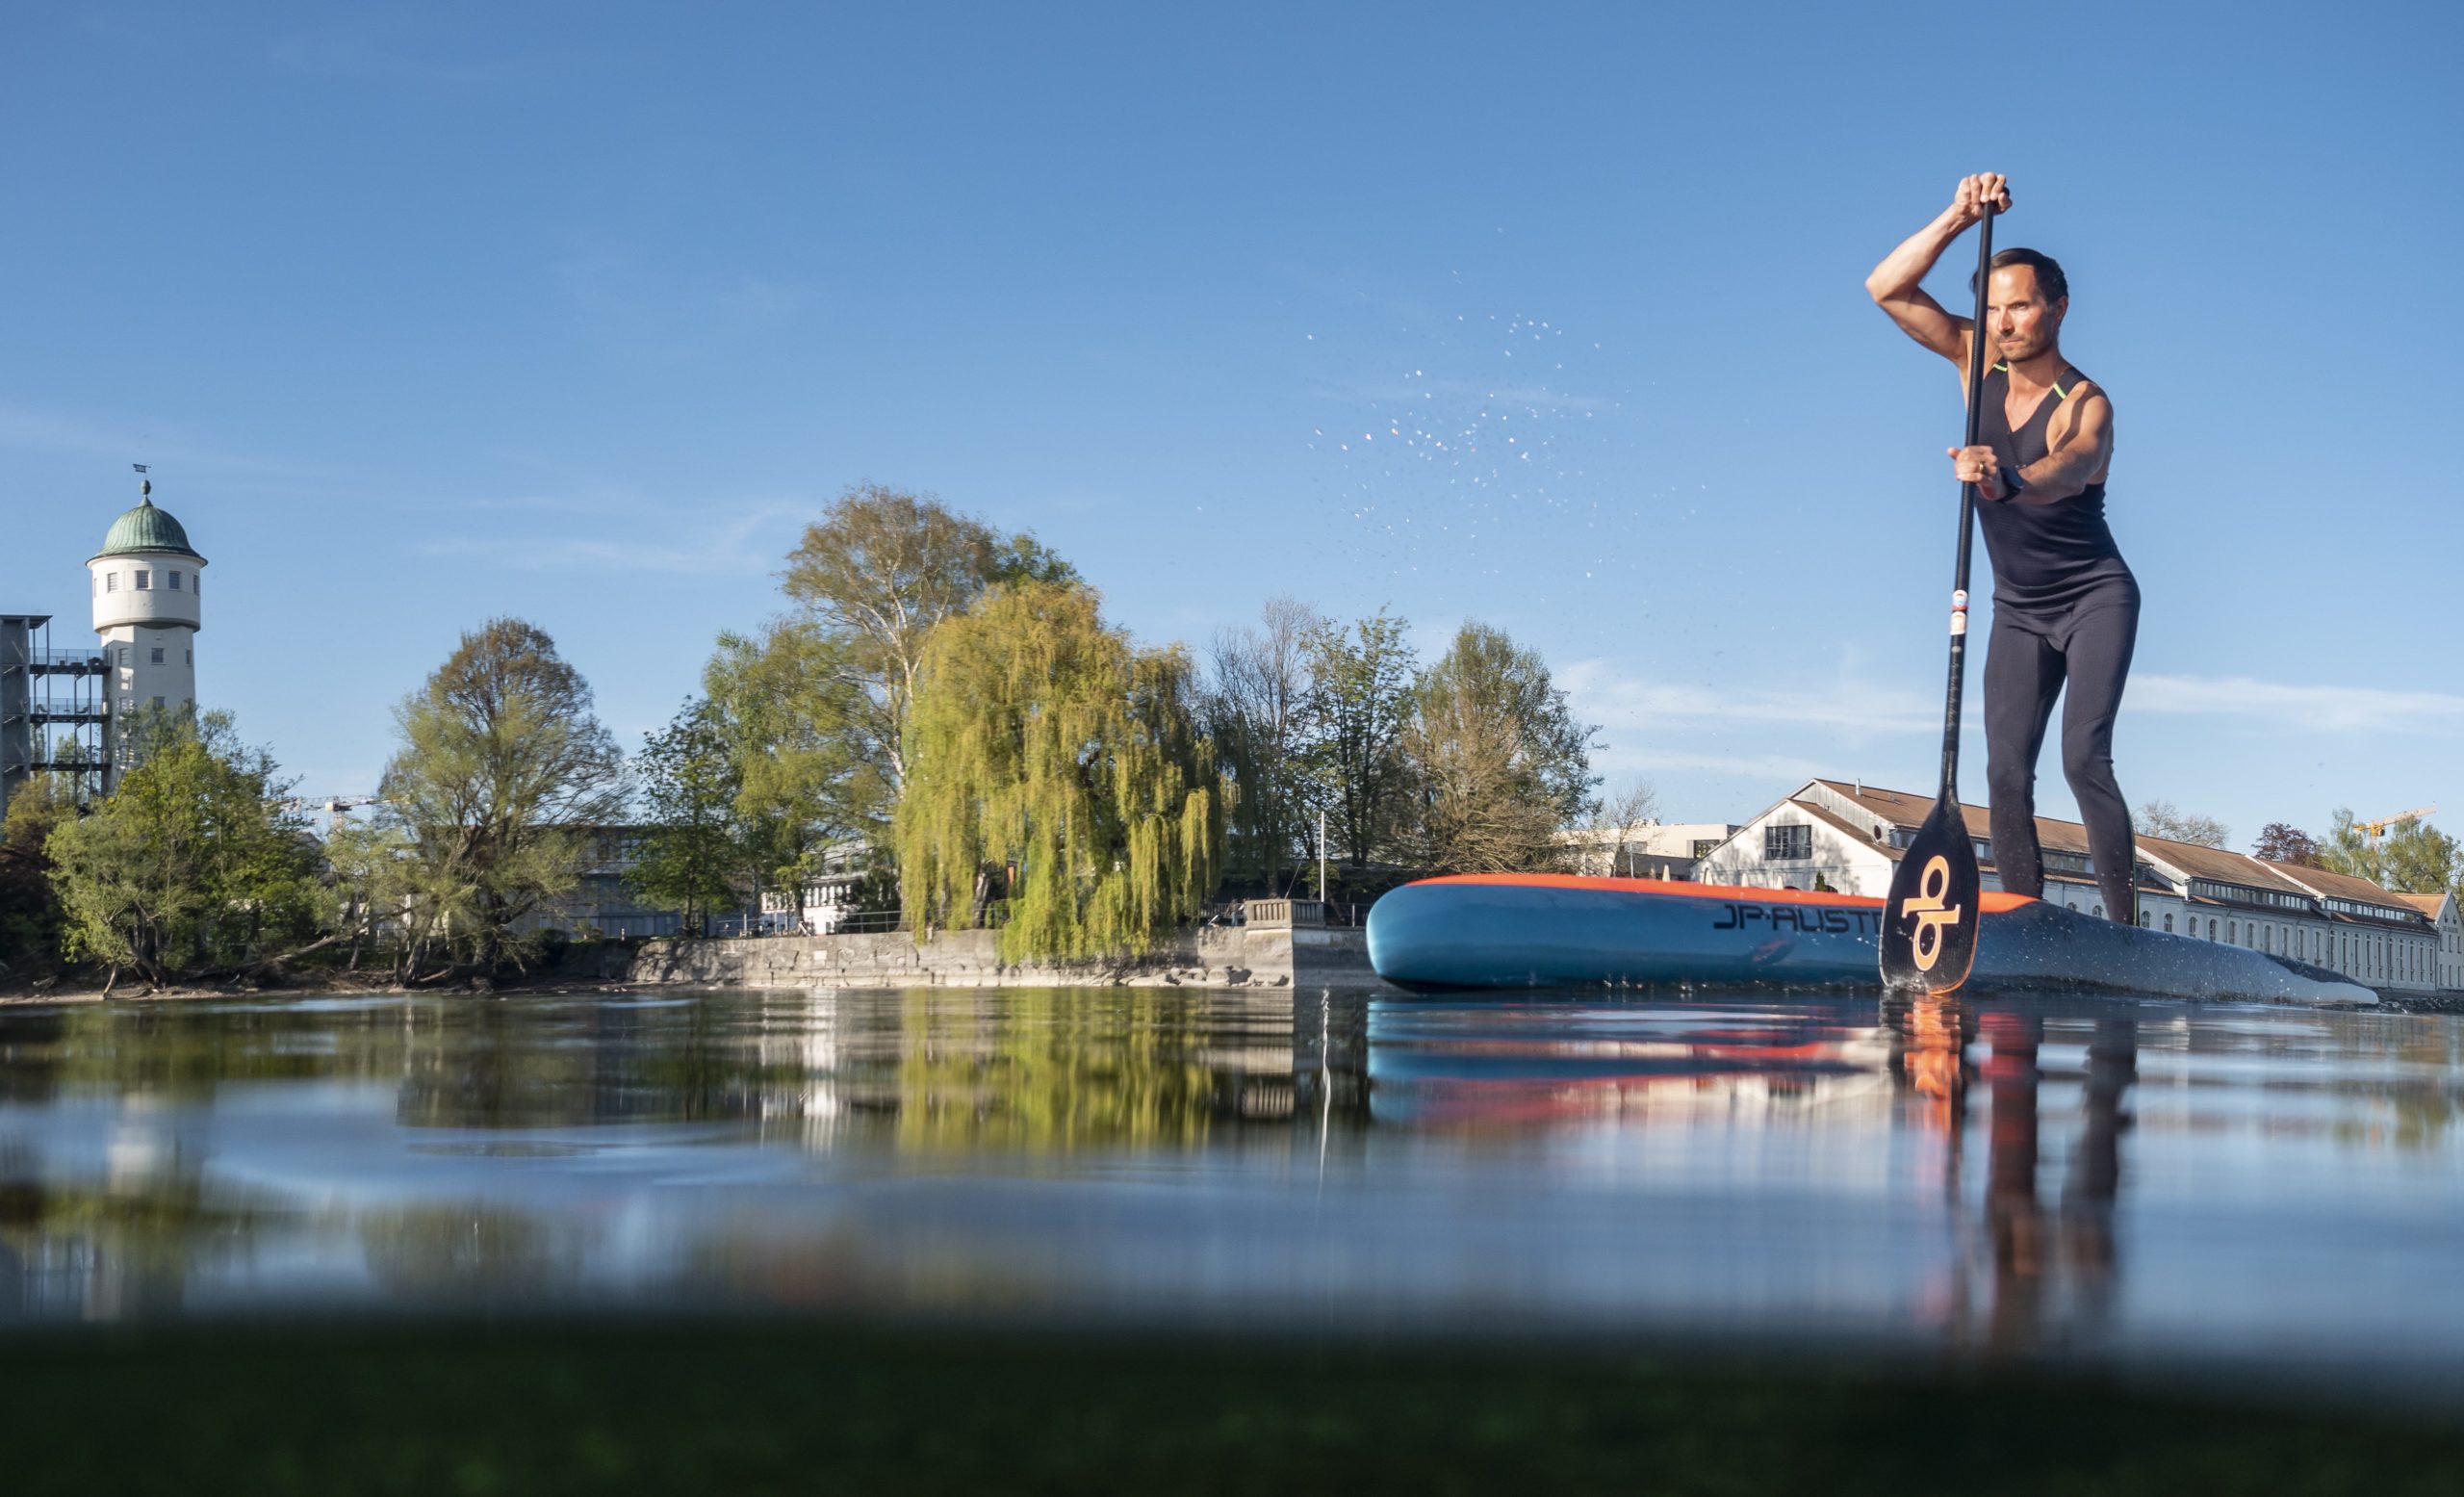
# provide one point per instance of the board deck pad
(1552, 930)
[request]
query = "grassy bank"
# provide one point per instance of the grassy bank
(808, 1407)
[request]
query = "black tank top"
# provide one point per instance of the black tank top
(2044, 555)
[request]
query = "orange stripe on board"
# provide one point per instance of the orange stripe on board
(1994, 900)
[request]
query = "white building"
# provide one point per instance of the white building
(1848, 837)
(1647, 849)
(147, 581)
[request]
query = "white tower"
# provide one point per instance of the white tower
(146, 580)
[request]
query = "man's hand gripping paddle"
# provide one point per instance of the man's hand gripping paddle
(1929, 925)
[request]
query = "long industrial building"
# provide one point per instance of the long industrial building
(1848, 836)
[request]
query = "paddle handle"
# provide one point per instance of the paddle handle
(1968, 516)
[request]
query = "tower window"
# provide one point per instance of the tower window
(176, 579)
(111, 582)
(158, 656)
(144, 580)
(191, 655)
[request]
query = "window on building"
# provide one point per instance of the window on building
(1702, 846)
(144, 580)
(2169, 919)
(1781, 843)
(157, 701)
(158, 649)
(190, 653)
(2232, 928)
(2098, 911)
(111, 582)
(176, 579)
(2145, 920)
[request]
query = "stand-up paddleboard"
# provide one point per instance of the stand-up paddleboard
(1548, 930)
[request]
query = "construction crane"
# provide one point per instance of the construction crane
(335, 806)
(2374, 830)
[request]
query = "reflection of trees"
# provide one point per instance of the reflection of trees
(446, 1251)
(119, 1247)
(1057, 1070)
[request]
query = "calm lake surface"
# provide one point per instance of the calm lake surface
(2259, 1187)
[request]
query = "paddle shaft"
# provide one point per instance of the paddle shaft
(1967, 520)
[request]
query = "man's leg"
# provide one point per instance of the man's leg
(2097, 653)
(2023, 675)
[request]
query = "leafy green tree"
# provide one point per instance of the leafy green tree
(2163, 818)
(30, 912)
(500, 766)
(369, 866)
(1042, 741)
(1360, 700)
(1499, 766)
(2412, 857)
(1256, 707)
(875, 575)
(190, 863)
(795, 724)
(692, 849)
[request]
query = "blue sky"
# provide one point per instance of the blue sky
(424, 314)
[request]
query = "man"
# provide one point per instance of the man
(2065, 606)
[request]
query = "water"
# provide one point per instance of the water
(2248, 1187)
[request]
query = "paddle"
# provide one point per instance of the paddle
(1928, 923)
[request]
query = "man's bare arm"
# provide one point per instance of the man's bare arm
(2077, 459)
(1897, 284)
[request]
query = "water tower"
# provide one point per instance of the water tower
(146, 580)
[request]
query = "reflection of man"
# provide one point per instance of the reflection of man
(1929, 1045)
(2065, 605)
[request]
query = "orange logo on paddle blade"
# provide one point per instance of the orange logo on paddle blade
(1930, 914)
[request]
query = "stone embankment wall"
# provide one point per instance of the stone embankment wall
(1212, 956)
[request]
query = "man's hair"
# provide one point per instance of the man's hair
(2049, 276)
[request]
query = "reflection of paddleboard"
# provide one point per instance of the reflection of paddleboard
(1548, 930)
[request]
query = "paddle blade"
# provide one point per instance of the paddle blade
(1929, 925)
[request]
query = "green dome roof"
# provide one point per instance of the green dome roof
(146, 529)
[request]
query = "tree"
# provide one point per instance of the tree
(691, 850)
(799, 745)
(2283, 842)
(500, 766)
(1046, 747)
(30, 911)
(1498, 763)
(190, 863)
(1256, 704)
(876, 574)
(2160, 818)
(2411, 856)
(1611, 824)
(1360, 700)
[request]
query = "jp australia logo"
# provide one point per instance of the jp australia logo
(1931, 913)
(1805, 919)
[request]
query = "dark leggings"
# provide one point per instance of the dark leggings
(2085, 646)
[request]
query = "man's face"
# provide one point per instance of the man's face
(2024, 322)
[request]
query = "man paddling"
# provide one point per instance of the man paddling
(2065, 606)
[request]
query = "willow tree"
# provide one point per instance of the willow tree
(1048, 750)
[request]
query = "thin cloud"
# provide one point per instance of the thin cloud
(749, 542)
(1758, 766)
(2296, 706)
(1843, 705)
(32, 430)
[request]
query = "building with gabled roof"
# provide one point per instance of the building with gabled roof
(1847, 836)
